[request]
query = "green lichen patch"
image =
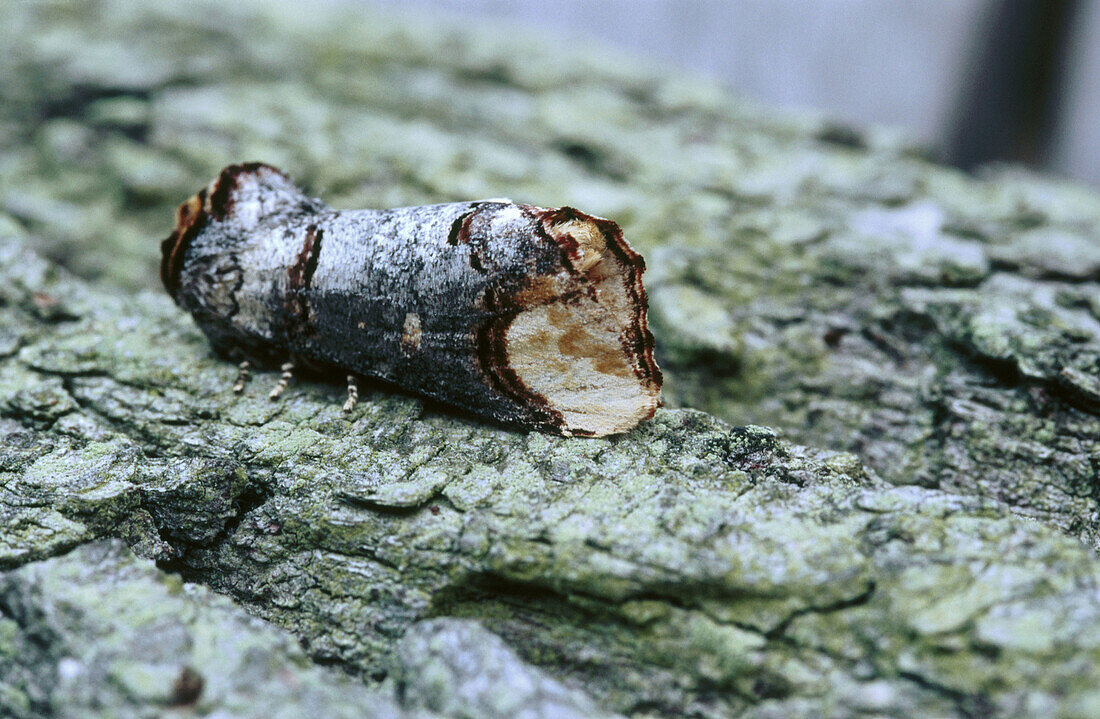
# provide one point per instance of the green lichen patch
(935, 334)
(687, 567)
(99, 633)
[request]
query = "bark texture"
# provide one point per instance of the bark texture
(99, 632)
(937, 336)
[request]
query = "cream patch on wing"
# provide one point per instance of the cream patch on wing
(575, 362)
(573, 345)
(410, 334)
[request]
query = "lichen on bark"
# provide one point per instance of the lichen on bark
(935, 335)
(100, 633)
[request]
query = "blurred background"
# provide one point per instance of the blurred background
(112, 112)
(976, 81)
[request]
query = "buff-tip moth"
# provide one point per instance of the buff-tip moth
(528, 316)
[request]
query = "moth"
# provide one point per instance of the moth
(528, 316)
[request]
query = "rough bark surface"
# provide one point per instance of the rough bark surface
(942, 329)
(99, 632)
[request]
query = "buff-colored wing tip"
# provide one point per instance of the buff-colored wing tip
(587, 352)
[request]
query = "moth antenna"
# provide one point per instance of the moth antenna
(243, 373)
(353, 394)
(284, 380)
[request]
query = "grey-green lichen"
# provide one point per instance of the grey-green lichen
(942, 331)
(98, 633)
(831, 283)
(686, 568)
(457, 668)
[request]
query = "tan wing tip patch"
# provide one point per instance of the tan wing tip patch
(583, 348)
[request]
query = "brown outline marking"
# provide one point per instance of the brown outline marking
(559, 216)
(191, 217)
(460, 235)
(221, 196)
(492, 356)
(640, 338)
(460, 228)
(300, 274)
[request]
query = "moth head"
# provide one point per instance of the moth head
(242, 194)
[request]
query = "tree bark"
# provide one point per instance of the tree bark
(937, 336)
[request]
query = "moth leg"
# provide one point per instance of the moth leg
(353, 394)
(243, 372)
(284, 380)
